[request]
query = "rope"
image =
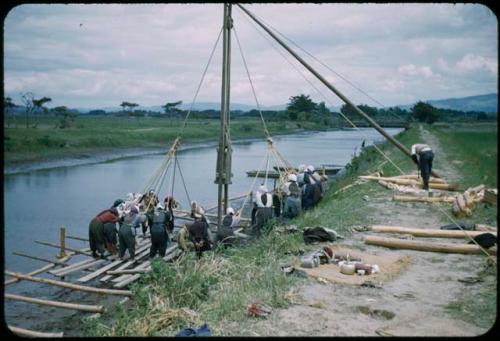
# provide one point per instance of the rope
(201, 82)
(183, 182)
(322, 95)
(326, 66)
(251, 83)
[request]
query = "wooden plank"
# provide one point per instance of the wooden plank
(139, 256)
(50, 303)
(32, 333)
(69, 285)
(123, 277)
(72, 266)
(396, 243)
(128, 271)
(410, 182)
(67, 248)
(99, 272)
(433, 233)
(33, 273)
(81, 267)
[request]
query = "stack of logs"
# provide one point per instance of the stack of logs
(411, 180)
(465, 202)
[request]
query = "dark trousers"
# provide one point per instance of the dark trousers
(96, 237)
(159, 241)
(127, 241)
(425, 163)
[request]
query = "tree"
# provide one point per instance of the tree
(170, 109)
(29, 107)
(39, 106)
(324, 114)
(8, 106)
(66, 117)
(300, 104)
(424, 112)
(127, 106)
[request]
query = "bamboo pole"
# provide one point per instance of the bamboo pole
(396, 243)
(67, 248)
(77, 238)
(50, 303)
(408, 198)
(62, 253)
(32, 273)
(32, 333)
(419, 232)
(69, 285)
(416, 177)
(50, 261)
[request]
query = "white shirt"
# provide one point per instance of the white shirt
(420, 148)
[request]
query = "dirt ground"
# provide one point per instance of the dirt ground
(411, 304)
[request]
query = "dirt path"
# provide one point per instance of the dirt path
(412, 304)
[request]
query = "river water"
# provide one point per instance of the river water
(38, 203)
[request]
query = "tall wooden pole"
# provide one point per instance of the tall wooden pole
(223, 173)
(330, 86)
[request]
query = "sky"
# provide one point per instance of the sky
(99, 55)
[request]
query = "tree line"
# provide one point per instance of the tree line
(300, 108)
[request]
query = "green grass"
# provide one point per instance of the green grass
(93, 134)
(218, 288)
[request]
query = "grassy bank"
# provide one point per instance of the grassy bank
(103, 134)
(218, 288)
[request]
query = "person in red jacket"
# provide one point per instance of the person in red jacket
(96, 230)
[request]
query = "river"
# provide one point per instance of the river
(38, 203)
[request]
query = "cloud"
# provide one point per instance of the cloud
(413, 70)
(471, 62)
(151, 53)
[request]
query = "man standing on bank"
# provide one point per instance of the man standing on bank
(424, 161)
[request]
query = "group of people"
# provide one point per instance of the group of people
(138, 211)
(302, 191)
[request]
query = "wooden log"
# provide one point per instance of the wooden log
(67, 248)
(207, 214)
(69, 285)
(408, 198)
(410, 182)
(32, 273)
(419, 232)
(484, 227)
(396, 243)
(475, 190)
(50, 303)
(416, 177)
(490, 196)
(72, 266)
(99, 272)
(77, 238)
(461, 202)
(50, 261)
(79, 268)
(31, 333)
(455, 209)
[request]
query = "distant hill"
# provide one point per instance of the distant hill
(487, 103)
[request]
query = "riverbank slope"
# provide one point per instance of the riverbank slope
(427, 299)
(96, 139)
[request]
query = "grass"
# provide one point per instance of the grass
(217, 288)
(98, 134)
